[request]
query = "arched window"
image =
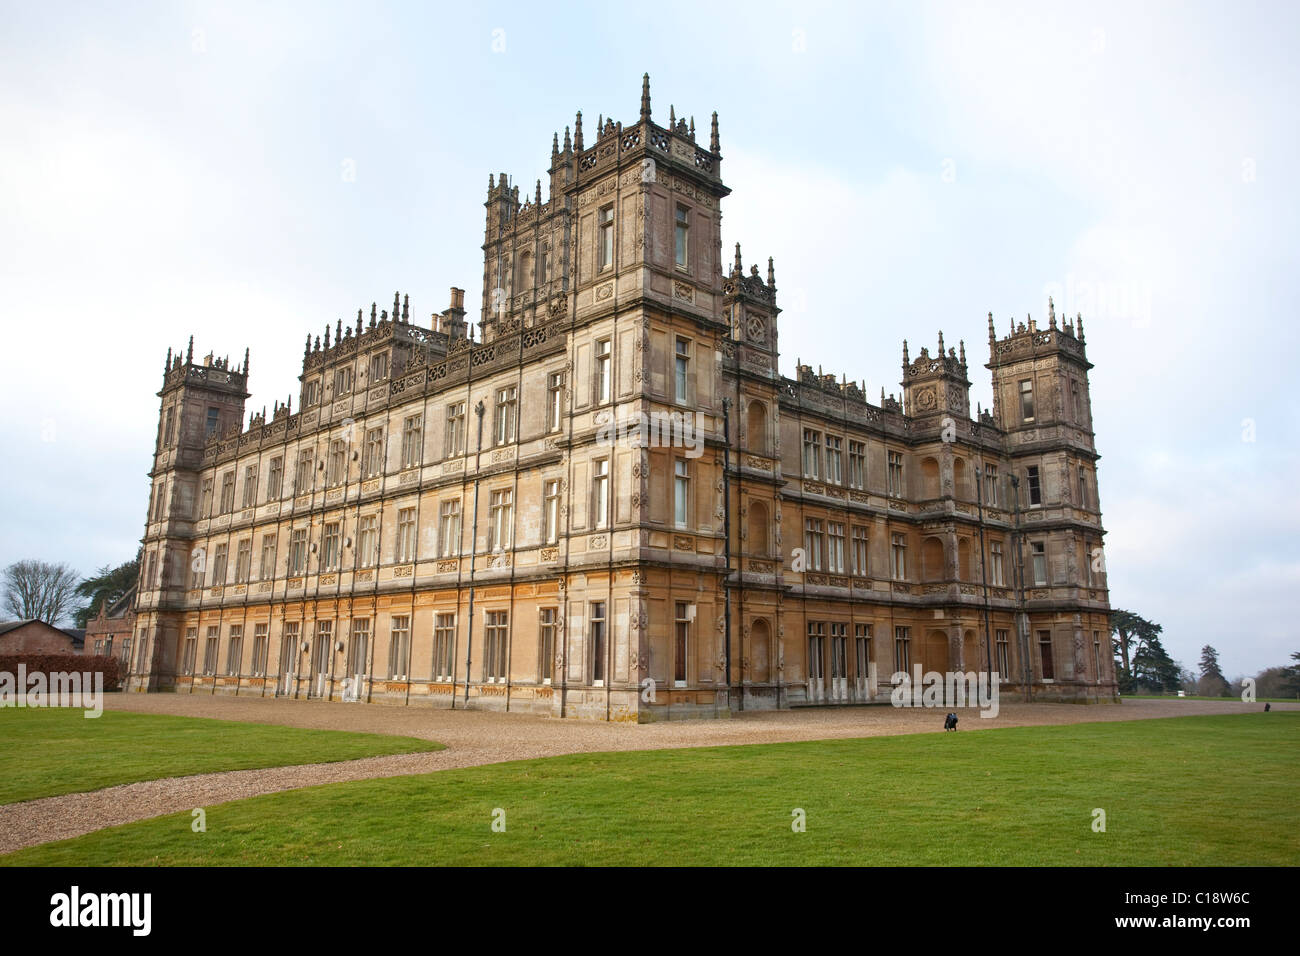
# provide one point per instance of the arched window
(756, 428)
(757, 529)
(929, 479)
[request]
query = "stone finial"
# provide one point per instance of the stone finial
(406, 307)
(713, 134)
(189, 352)
(577, 132)
(692, 129)
(327, 331)
(245, 362)
(374, 311)
(1029, 322)
(492, 182)
(338, 331)
(327, 338)
(167, 365)
(962, 355)
(672, 118)
(600, 125)
(906, 360)
(555, 146)
(645, 97)
(568, 143)
(1078, 324)
(1051, 312)
(771, 274)
(941, 343)
(397, 304)
(993, 336)
(537, 195)
(358, 327)
(307, 349)
(738, 269)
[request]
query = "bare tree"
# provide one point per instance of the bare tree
(36, 589)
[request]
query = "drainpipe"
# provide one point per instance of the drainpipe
(984, 576)
(726, 548)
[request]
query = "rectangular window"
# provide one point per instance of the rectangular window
(1083, 488)
(455, 438)
(546, 644)
(412, 441)
(682, 235)
(342, 381)
(150, 576)
(160, 502)
(834, 457)
(1027, 401)
(681, 642)
(991, 485)
(406, 535)
(861, 551)
(554, 401)
(1039, 550)
(500, 509)
(330, 547)
(682, 372)
(379, 366)
(1078, 403)
(169, 432)
(336, 469)
(857, 464)
(210, 427)
(816, 651)
(444, 642)
(399, 647)
(996, 571)
(205, 499)
(449, 528)
(235, 650)
(862, 651)
(243, 560)
(359, 648)
(250, 487)
(898, 553)
(814, 540)
(191, 650)
(551, 511)
(839, 651)
(811, 453)
(275, 479)
(600, 492)
(266, 567)
(835, 547)
(197, 567)
(303, 475)
(227, 492)
(507, 402)
(495, 634)
(261, 649)
(601, 379)
(903, 649)
(1033, 486)
(598, 643)
(606, 238)
(368, 540)
(298, 551)
(1045, 655)
(219, 555)
(372, 458)
(1096, 655)
(542, 255)
(311, 393)
(896, 474)
(681, 492)
(210, 652)
(1004, 654)
(289, 647)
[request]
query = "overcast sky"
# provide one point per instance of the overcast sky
(249, 172)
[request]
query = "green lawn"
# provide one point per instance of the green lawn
(1216, 790)
(49, 751)
(1258, 700)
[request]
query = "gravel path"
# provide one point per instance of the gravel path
(474, 738)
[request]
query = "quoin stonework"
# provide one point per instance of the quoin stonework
(444, 522)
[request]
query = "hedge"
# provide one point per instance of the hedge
(110, 667)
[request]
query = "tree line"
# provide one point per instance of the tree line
(56, 594)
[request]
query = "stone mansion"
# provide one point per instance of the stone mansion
(445, 520)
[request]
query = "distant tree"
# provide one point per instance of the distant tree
(39, 590)
(104, 587)
(1186, 676)
(1212, 683)
(1153, 669)
(1132, 632)
(1291, 677)
(1271, 682)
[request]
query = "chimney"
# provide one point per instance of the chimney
(452, 320)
